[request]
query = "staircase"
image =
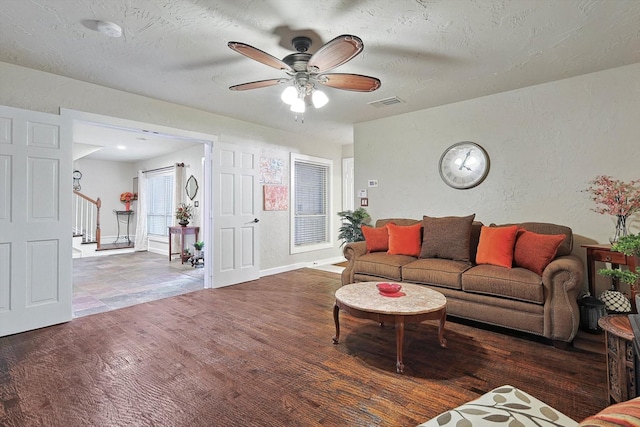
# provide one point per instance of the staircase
(86, 225)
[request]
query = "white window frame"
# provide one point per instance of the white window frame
(328, 164)
(150, 175)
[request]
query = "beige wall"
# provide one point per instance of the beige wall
(39, 91)
(545, 143)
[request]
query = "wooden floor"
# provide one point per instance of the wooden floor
(260, 354)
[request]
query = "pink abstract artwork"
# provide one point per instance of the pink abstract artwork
(276, 198)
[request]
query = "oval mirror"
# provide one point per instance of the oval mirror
(191, 187)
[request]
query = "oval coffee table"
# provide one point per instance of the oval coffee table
(363, 300)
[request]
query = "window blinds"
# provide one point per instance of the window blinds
(310, 203)
(159, 204)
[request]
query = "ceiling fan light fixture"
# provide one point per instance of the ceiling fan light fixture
(298, 105)
(319, 98)
(289, 95)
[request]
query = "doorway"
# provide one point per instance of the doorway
(103, 283)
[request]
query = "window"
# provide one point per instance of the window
(310, 203)
(160, 203)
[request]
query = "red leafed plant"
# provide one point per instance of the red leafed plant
(615, 197)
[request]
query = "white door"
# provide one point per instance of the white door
(35, 221)
(236, 204)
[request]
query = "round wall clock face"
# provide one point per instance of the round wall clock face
(464, 165)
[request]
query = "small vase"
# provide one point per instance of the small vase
(127, 206)
(621, 229)
(184, 223)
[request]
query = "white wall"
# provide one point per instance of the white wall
(545, 143)
(39, 91)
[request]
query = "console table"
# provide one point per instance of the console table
(182, 231)
(621, 358)
(123, 217)
(603, 253)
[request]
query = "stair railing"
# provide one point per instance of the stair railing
(86, 222)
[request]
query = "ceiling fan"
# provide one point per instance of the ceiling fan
(305, 70)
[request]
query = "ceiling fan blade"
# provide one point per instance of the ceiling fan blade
(355, 82)
(257, 84)
(258, 55)
(334, 53)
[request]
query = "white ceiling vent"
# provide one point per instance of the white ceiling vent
(386, 102)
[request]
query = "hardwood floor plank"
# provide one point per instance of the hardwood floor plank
(261, 354)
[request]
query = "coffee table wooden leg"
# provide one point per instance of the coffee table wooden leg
(443, 340)
(336, 310)
(399, 341)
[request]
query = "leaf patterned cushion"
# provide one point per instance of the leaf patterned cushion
(504, 406)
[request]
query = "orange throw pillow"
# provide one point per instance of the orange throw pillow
(405, 240)
(535, 251)
(377, 238)
(496, 245)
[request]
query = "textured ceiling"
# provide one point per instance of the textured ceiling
(426, 53)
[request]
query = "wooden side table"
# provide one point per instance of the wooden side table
(603, 253)
(182, 231)
(621, 359)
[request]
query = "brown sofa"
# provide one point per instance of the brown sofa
(514, 298)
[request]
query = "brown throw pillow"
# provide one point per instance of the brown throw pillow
(446, 237)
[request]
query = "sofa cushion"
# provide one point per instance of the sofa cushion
(513, 283)
(496, 245)
(435, 271)
(446, 237)
(404, 240)
(535, 251)
(502, 406)
(377, 239)
(565, 247)
(621, 414)
(381, 264)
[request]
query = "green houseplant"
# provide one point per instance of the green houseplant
(350, 230)
(630, 246)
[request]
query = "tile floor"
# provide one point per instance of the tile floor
(110, 282)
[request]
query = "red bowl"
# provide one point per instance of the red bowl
(389, 288)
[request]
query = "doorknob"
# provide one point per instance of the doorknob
(256, 220)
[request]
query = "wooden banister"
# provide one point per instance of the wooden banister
(98, 204)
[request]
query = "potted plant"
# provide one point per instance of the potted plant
(630, 246)
(350, 230)
(618, 198)
(184, 212)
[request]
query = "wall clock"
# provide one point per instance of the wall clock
(464, 165)
(76, 180)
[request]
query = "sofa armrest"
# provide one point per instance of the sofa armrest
(562, 281)
(352, 251)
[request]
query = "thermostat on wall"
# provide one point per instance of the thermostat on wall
(373, 183)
